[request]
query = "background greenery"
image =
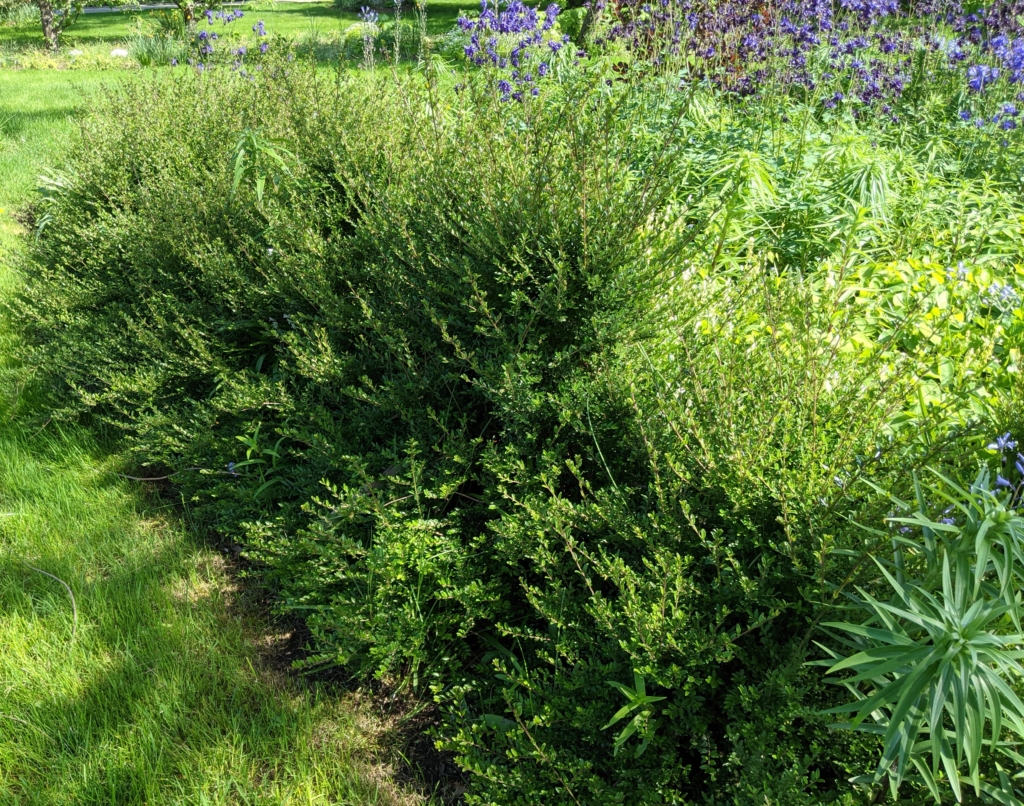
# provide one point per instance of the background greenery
(96, 34)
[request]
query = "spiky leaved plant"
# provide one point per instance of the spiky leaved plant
(937, 664)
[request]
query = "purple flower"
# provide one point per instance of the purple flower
(1003, 443)
(981, 75)
(870, 10)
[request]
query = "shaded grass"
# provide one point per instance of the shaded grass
(148, 682)
(159, 693)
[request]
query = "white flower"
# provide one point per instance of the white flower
(119, 53)
(75, 52)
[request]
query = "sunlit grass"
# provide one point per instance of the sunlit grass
(36, 115)
(290, 20)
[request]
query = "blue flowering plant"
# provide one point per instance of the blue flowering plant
(518, 46)
(870, 58)
(193, 11)
(218, 42)
(370, 29)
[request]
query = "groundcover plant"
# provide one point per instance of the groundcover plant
(596, 382)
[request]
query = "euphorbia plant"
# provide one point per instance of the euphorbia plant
(936, 660)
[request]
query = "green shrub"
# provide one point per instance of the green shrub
(570, 22)
(452, 45)
(170, 23)
(549, 410)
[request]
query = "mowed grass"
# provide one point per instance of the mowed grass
(131, 670)
(290, 20)
(286, 19)
(37, 109)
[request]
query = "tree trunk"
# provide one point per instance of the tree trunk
(51, 33)
(188, 13)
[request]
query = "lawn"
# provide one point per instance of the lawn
(134, 669)
(290, 20)
(37, 110)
